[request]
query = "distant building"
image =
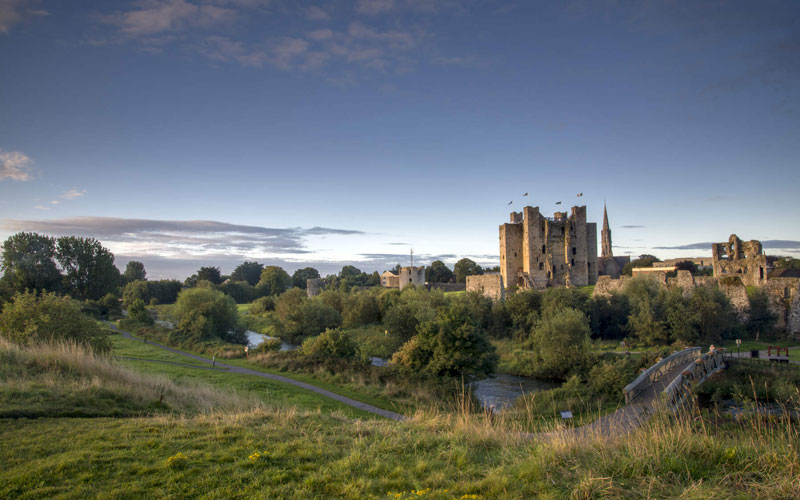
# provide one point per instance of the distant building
(539, 252)
(410, 275)
(744, 259)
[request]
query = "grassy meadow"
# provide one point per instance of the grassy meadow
(164, 431)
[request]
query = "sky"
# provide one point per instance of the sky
(183, 133)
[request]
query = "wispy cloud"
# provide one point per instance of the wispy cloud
(71, 194)
(181, 239)
(786, 245)
(152, 17)
(632, 226)
(13, 12)
(41, 207)
(15, 166)
(315, 13)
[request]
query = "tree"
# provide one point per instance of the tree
(206, 314)
(453, 345)
(137, 312)
(248, 271)
(30, 319)
(211, 274)
(276, 279)
(438, 272)
(135, 290)
(300, 277)
(686, 265)
(560, 342)
(135, 271)
(466, 267)
(644, 260)
(29, 262)
(760, 319)
(89, 270)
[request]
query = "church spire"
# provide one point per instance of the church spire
(606, 235)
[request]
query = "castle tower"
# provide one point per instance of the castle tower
(606, 236)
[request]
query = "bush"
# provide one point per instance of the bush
(46, 318)
(269, 345)
(261, 306)
(206, 314)
(561, 343)
(453, 345)
(330, 345)
(138, 313)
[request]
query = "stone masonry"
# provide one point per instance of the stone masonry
(540, 252)
(489, 285)
(745, 259)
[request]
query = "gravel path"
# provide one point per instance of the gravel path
(278, 378)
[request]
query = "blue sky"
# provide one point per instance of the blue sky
(324, 133)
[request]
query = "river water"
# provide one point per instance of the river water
(255, 338)
(501, 390)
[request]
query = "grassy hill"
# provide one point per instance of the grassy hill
(226, 442)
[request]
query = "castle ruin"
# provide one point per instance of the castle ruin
(745, 259)
(540, 252)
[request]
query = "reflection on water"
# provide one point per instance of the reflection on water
(734, 409)
(255, 338)
(501, 390)
(376, 361)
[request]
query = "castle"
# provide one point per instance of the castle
(539, 252)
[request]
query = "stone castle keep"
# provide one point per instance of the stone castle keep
(538, 251)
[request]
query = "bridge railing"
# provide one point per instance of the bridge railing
(677, 393)
(647, 377)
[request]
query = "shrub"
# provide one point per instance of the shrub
(205, 314)
(138, 313)
(48, 317)
(561, 343)
(261, 306)
(331, 344)
(269, 345)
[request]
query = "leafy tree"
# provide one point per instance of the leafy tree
(760, 318)
(211, 274)
(374, 279)
(239, 291)
(608, 316)
(135, 290)
(560, 342)
(787, 263)
(207, 314)
(134, 271)
(137, 312)
(316, 317)
(89, 270)
(48, 317)
(644, 260)
(276, 279)
(300, 277)
(453, 345)
(261, 306)
(438, 272)
(523, 309)
(248, 271)
(361, 309)
(28, 262)
(712, 314)
(466, 267)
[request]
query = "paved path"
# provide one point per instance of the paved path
(278, 378)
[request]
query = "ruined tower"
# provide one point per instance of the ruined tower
(538, 251)
(605, 236)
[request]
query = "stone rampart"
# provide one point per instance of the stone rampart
(490, 285)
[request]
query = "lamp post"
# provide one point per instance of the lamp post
(738, 343)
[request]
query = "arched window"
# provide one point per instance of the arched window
(541, 266)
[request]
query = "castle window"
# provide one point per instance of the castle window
(574, 250)
(562, 267)
(787, 294)
(562, 231)
(544, 248)
(761, 274)
(515, 254)
(554, 269)
(573, 262)
(541, 267)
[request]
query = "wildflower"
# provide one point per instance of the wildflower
(177, 461)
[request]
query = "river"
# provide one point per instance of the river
(501, 390)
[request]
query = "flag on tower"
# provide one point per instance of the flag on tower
(558, 203)
(526, 194)
(510, 202)
(580, 194)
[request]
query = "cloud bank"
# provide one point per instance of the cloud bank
(15, 166)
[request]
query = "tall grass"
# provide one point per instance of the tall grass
(69, 370)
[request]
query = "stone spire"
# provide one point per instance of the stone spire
(606, 235)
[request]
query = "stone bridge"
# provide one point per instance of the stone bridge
(671, 379)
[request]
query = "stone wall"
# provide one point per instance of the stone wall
(745, 259)
(784, 301)
(490, 285)
(447, 287)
